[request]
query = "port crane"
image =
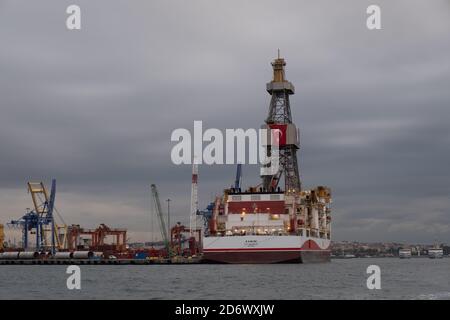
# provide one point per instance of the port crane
(41, 220)
(162, 224)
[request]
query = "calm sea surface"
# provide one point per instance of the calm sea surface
(417, 278)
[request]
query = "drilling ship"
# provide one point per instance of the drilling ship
(274, 222)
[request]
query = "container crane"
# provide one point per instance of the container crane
(41, 221)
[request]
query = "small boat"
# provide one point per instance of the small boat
(404, 253)
(435, 253)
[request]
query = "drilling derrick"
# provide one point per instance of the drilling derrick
(279, 120)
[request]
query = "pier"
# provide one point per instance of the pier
(158, 261)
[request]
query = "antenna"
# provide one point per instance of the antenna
(194, 200)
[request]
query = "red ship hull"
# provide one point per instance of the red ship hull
(267, 257)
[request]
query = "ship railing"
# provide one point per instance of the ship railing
(255, 231)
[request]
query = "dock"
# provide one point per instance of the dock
(159, 261)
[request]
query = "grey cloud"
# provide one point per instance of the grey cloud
(96, 108)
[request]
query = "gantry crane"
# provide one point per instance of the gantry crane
(41, 221)
(97, 238)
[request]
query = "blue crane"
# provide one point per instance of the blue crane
(41, 216)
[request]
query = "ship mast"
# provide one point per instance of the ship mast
(194, 200)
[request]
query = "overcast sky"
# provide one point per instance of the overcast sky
(95, 108)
